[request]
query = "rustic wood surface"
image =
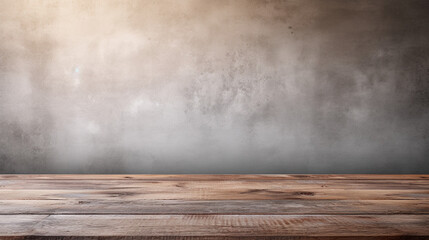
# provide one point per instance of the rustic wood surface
(214, 206)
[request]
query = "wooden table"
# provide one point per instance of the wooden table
(214, 206)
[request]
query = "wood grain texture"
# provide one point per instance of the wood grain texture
(218, 225)
(211, 177)
(132, 189)
(214, 206)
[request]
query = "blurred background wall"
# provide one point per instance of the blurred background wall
(225, 86)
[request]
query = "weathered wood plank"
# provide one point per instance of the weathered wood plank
(216, 225)
(215, 190)
(219, 177)
(18, 225)
(214, 207)
(216, 194)
(219, 194)
(23, 184)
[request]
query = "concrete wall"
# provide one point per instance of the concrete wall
(201, 86)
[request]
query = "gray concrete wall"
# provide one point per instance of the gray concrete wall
(200, 86)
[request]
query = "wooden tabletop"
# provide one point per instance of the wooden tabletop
(214, 206)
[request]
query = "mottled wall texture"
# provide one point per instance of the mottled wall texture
(225, 86)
